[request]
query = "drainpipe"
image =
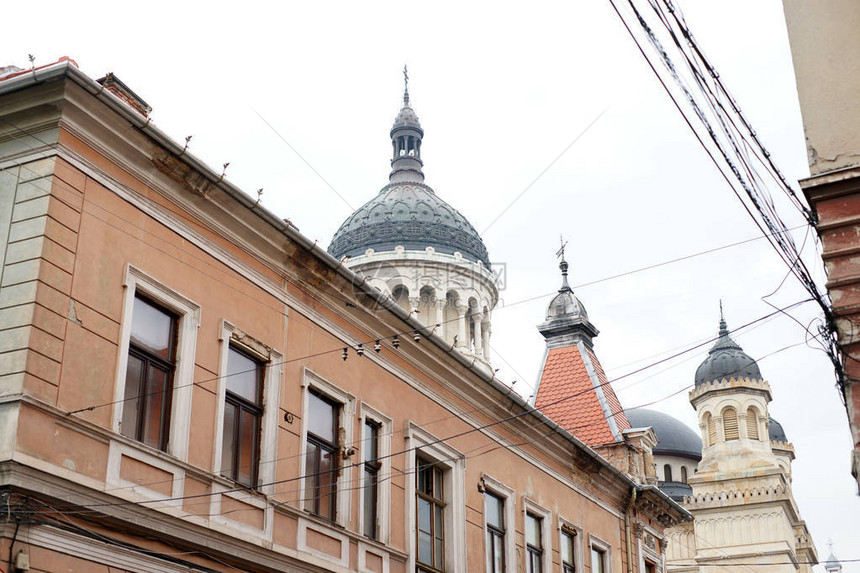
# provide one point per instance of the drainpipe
(628, 528)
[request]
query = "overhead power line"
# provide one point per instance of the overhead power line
(664, 39)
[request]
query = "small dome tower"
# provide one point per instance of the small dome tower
(731, 398)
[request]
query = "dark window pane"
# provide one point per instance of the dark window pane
(566, 547)
(371, 436)
(243, 376)
(228, 447)
(131, 406)
(424, 516)
(596, 560)
(494, 507)
(439, 549)
(152, 329)
(498, 554)
(149, 374)
(321, 417)
(327, 484)
(311, 489)
(438, 493)
(370, 504)
(533, 531)
(153, 412)
(248, 433)
(425, 548)
(423, 482)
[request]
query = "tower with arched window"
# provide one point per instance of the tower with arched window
(741, 498)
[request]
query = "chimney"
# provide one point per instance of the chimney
(113, 84)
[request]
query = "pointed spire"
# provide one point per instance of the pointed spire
(724, 340)
(405, 87)
(565, 287)
(406, 135)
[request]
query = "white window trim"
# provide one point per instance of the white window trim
(272, 363)
(508, 496)
(383, 509)
(646, 552)
(186, 348)
(311, 380)
(603, 546)
(565, 524)
(530, 506)
(454, 463)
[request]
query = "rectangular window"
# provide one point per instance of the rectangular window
(598, 560)
(568, 551)
(321, 450)
(534, 543)
(650, 567)
(243, 412)
(149, 374)
(371, 478)
(494, 514)
(430, 502)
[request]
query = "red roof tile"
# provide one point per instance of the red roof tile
(567, 395)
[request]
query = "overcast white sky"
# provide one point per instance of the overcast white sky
(501, 89)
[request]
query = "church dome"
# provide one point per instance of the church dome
(775, 431)
(726, 360)
(407, 212)
(565, 314)
(565, 304)
(674, 438)
(410, 214)
(406, 119)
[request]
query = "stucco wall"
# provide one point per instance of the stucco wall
(825, 48)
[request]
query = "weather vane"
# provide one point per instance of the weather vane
(560, 252)
(405, 85)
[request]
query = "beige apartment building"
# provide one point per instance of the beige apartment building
(187, 383)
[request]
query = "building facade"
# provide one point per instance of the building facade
(187, 383)
(825, 50)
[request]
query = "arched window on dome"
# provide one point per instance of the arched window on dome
(711, 428)
(400, 294)
(730, 424)
(684, 474)
(752, 424)
(667, 472)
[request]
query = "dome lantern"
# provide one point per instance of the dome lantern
(406, 135)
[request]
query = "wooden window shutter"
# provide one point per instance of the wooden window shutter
(730, 424)
(752, 424)
(712, 431)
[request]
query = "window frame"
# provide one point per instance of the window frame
(423, 443)
(344, 432)
(254, 409)
(151, 361)
(187, 314)
(272, 363)
(647, 555)
(667, 472)
(383, 489)
(437, 501)
(566, 527)
(545, 515)
(604, 549)
(492, 485)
